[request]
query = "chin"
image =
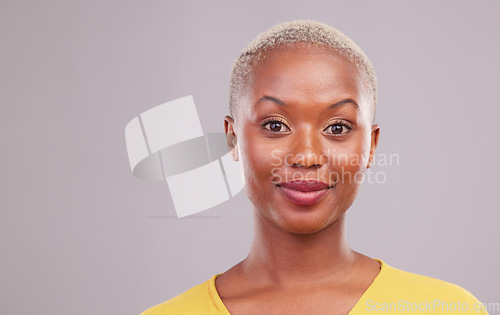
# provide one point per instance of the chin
(305, 222)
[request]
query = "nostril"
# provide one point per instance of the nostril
(305, 166)
(309, 160)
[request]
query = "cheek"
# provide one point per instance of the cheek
(257, 161)
(257, 166)
(348, 161)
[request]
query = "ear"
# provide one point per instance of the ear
(229, 129)
(374, 142)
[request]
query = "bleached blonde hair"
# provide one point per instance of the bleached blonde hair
(295, 32)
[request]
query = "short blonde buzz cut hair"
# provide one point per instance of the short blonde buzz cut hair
(296, 32)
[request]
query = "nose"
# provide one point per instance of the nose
(306, 150)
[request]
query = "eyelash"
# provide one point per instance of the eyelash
(275, 120)
(342, 123)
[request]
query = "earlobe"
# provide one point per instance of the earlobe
(370, 161)
(374, 142)
(231, 139)
(236, 155)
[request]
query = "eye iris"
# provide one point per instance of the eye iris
(275, 126)
(337, 129)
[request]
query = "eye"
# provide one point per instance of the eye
(338, 128)
(276, 125)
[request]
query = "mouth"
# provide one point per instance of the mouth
(304, 192)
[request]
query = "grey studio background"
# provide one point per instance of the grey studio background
(80, 235)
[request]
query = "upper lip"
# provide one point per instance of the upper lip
(304, 185)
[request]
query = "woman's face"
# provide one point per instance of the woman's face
(304, 137)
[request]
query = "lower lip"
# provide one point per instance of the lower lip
(302, 198)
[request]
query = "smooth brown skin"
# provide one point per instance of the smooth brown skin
(300, 262)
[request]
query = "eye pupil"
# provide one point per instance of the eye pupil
(337, 129)
(275, 126)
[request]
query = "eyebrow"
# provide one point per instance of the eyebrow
(332, 106)
(272, 99)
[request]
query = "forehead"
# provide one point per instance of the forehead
(313, 74)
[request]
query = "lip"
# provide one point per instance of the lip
(304, 192)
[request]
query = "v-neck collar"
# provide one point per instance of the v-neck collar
(358, 307)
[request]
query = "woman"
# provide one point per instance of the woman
(302, 107)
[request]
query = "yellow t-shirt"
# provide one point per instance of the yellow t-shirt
(392, 291)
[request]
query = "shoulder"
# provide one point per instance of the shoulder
(403, 287)
(201, 299)
(408, 282)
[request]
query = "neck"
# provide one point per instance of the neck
(286, 258)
